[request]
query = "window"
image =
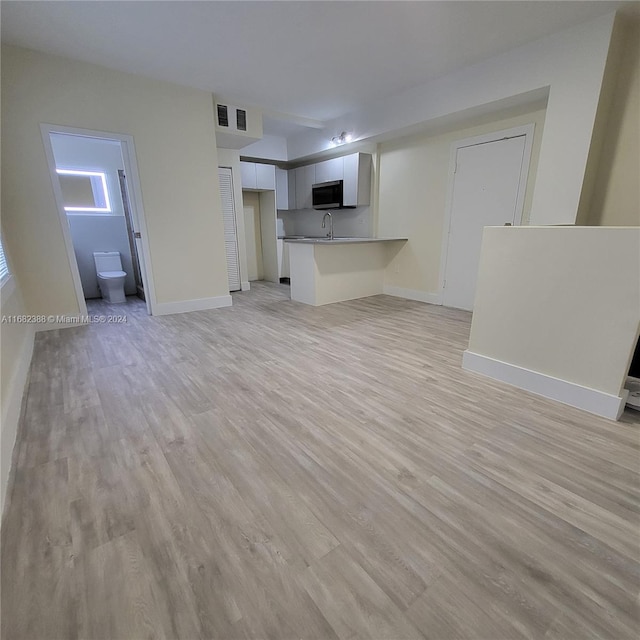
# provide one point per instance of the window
(84, 191)
(4, 267)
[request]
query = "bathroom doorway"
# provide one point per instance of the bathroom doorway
(97, 190)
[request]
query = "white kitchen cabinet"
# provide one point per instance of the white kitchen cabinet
(357, 180)
(265, 177)
(257, 176)
(291, 187)
(279, 249)
(330, 170)
(284, 201)
(248, 175)
(283, 259)
(305, 179)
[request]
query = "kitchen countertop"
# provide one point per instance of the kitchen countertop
(324, 240)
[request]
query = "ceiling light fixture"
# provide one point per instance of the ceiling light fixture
(343, 138)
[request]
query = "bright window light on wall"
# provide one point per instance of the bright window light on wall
(84, 191)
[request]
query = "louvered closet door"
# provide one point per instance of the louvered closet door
(230, 232)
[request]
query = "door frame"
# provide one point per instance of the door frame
(526, 130)
(128, 218)
(135, 196)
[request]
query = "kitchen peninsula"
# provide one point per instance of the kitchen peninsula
(327, 270)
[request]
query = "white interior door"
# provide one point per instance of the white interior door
(486, 190)
(230, 230)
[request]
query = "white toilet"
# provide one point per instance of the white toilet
(110, 275)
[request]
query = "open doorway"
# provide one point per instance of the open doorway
(97, 191)
(260, 227)
(253, 233)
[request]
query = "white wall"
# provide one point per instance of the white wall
(616, 197)
(269, 148)
(570, 64)
(173, 132)
(17, 347)
(563, 304)
(96, 232)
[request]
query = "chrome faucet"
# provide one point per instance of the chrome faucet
(324, 224)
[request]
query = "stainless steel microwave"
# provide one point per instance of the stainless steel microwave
(328, 195)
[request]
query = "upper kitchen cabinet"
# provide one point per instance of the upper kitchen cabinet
(356, 189)
(330, 170)
(305, 178)
(265, 177)
(354, 170)
(260, 177)
(248, 175)
(282, 189)
(285, 189)
(291, 188)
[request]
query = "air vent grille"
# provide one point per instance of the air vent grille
(223, 115)
(241, 119)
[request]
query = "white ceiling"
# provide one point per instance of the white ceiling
(314, 60)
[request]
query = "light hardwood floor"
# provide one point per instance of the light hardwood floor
(273, 470)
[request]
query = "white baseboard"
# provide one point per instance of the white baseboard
(412, 294)
(11, 407)
(245, 286)
(184, 306)
(597, 402)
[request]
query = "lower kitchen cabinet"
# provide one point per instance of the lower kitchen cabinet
(283, 259)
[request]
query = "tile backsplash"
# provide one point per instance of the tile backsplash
(308, 222)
